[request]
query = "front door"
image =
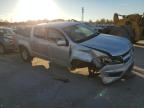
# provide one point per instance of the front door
(60, 54)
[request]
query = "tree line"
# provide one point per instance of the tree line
(102, 21)
(33, 22)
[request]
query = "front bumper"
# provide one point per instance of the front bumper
(110, 73)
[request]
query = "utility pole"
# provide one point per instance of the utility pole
(82, 14)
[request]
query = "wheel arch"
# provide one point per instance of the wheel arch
(24, 46)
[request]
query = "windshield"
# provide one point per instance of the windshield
(80, 32)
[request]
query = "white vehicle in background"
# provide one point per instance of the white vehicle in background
(7, 39)
(75, 45)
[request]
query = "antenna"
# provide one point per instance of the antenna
(82, 14)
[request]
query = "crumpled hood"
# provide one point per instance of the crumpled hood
(110, 44)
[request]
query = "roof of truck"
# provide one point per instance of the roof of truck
(58, 24)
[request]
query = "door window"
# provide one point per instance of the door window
(55, 35)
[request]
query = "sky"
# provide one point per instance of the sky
(22, 10)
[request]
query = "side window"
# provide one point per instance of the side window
(24, 31)
(40, 32)
(55, 35)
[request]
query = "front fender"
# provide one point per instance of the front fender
(85, 55)
(81, 53)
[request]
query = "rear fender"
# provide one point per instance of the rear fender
(25, 45)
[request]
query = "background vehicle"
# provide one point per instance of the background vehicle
(7, 39)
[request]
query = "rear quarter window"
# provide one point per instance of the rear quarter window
(40, 32)
(26, 31)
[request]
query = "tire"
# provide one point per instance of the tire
(2, 49)
(93, 71)
(25, 55)
(51, 64)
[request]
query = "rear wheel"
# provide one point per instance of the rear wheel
(25, 55)
(2, 49)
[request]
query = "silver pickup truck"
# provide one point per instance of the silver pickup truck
(75, 45)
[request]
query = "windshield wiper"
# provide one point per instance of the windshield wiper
(95, 34)
(89, 37)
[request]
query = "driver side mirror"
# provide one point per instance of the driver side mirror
(61, 42)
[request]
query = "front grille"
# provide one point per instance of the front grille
(117, 60)
(123, 58)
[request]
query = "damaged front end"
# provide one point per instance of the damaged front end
(118, 67)
(110, 68)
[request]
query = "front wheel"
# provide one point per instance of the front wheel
(93, 71)
(25, 55)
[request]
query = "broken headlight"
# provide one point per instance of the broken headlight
(105, 59)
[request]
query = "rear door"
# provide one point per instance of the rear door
(39, 42)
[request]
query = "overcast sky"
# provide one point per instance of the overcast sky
(68, 9)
